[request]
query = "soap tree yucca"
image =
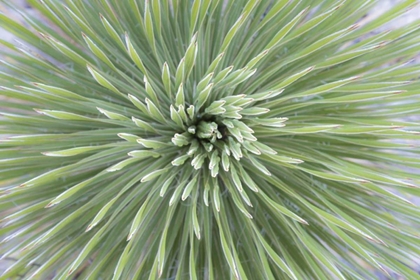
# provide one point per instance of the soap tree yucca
(209, 139)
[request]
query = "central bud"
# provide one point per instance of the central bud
(209, 131)
(217, 133)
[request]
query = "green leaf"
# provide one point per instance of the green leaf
(283, 210)
(256, 59)
(190, 56)
(150, 91)
(182, 114)
(134, 55)
(235, 148)
(142, 124)
(154, 111)
(310, 129)
(177, 193)
(235, 179)
(273, 255)
(143, 154)
(180, 73)
(167, 184)
(111, 31)
(154, 174)
(189, 188)
(103, 81)
(259, 166)
(122, 261)
(203, 96)
(112, 115)
(222, 74)
(148, 24)
(334, 177)
(73, 151)
(291, 79)
(140, 105)
(64, 115)
(233, 30)
(101, 214)
(60, 92)
(128, 137)
(121, 164)
(204, 82)
(86, 250)
(98, 52)
(285, 30)
(166, 77)
(195, 12)
(70, 192)
(251, 148)
(216, 194)
(322, 43)
(246, 178)
(151, 144)
(214, 63)
(64, 49)
(179, 98)
(264, 148)
(138, 219)
(156, 8)
(254, 111)
(176, 117)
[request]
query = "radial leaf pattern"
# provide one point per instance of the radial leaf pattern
(209, 140)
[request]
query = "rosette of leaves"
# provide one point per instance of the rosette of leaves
(209, 140)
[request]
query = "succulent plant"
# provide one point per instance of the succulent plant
(209, 140)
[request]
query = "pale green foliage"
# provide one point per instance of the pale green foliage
(209, 140)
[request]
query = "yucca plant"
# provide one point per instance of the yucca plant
(209, 139)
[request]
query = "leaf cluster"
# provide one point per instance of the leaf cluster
(209, 140)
